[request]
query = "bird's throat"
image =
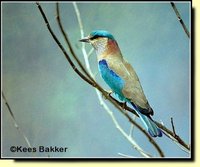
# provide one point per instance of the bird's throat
(107, 48)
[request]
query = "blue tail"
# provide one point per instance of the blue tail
(150, 125)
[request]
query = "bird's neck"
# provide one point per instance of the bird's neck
(108, 49)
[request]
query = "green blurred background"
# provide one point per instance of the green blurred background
(54, 107)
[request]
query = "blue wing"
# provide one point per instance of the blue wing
(115, 82)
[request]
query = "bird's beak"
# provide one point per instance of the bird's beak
(85, 39)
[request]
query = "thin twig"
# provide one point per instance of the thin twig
(69, 44)
(90, 52)
(175, 139)
(62, 48)
(15, 122)
(132, 127)
(126, 156)
(180, 19)
(173, 128)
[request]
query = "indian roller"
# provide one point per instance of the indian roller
(121, 77)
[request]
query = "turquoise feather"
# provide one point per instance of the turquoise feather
(112, 79)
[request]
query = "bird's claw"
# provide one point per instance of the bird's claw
(124, 105)
(108, 94)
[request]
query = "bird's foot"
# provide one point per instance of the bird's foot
(124, 105)
(108, 94)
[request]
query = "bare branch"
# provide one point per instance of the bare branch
(15, 122)
(180, 19)
(62, 48)
(173, 128)
(126, 156)
(175, 138)
(90, 52)
(69, 44)
(132, 127)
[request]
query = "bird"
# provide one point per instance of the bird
(120, 76)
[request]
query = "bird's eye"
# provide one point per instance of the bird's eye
(94, 37)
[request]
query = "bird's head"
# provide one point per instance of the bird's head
(101, 40)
